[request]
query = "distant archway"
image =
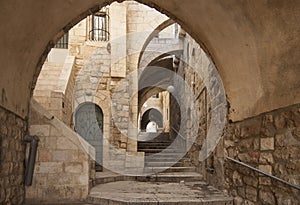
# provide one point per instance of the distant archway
(151, 115)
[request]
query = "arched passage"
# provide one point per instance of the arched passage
(250, 42)
(244, 49)
(89, 125)
(162, 26)
(151, 115)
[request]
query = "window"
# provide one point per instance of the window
(98, 26)
(63, 42)
(155, 96)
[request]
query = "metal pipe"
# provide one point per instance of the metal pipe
(30, 164)
(264, 173)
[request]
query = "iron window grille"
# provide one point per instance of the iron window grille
(98, 24)
(63, 42)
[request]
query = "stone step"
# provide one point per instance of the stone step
(164, 154)
(168, 169)
(169, 150)
(148, 193)
(154, 137)
(108, 177)
(165, 159)
(171, 177)
(163, 164)
(160, 147)
(154, 144)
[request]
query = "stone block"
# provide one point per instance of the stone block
(64, 143)
(65, 155)
(265, 181)
(267, 143)
(237, 179)
(267, 197)
(40, 130)
(265, 168)
(251, 193)
(49, 167)
(44, 155)
(266, 158)
(73, 167)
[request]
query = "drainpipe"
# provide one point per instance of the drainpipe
(33, 140)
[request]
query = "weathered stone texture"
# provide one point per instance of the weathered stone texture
(270, 143)
(55, 87)
(63, 165)
(12, 155)
(195, 69)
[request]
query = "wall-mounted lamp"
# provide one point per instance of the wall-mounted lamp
(170, 89)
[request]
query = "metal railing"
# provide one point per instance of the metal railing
(264, 173)
(63, 42)
(99, 35)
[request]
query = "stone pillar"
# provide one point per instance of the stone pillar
(133, 115)
(118, 39)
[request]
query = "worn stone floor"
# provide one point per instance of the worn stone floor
(133, 192)
(163, 189)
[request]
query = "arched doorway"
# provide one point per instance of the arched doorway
(89, 124)
(151, 115)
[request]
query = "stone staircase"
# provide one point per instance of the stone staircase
(167, 180)
(162, 154)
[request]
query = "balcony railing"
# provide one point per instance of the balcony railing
(98, 35)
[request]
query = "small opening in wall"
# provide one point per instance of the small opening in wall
(63, 105)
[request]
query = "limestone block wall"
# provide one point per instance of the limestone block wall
(199, 77)
(66, 86)
(141, 21)
(196, 69)
(108, 63)
(47, 82)
(192, 68)
(12, 152)
(118, 43)
(271, 143)
(63, 167)
(54, 88)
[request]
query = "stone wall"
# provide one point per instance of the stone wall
(12, 155)
(63, 169)
(109, 63)
(271, 143)
(55, 87)
(194, 68)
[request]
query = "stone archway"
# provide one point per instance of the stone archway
(250, 43)
(151, 115)
(246, 38)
